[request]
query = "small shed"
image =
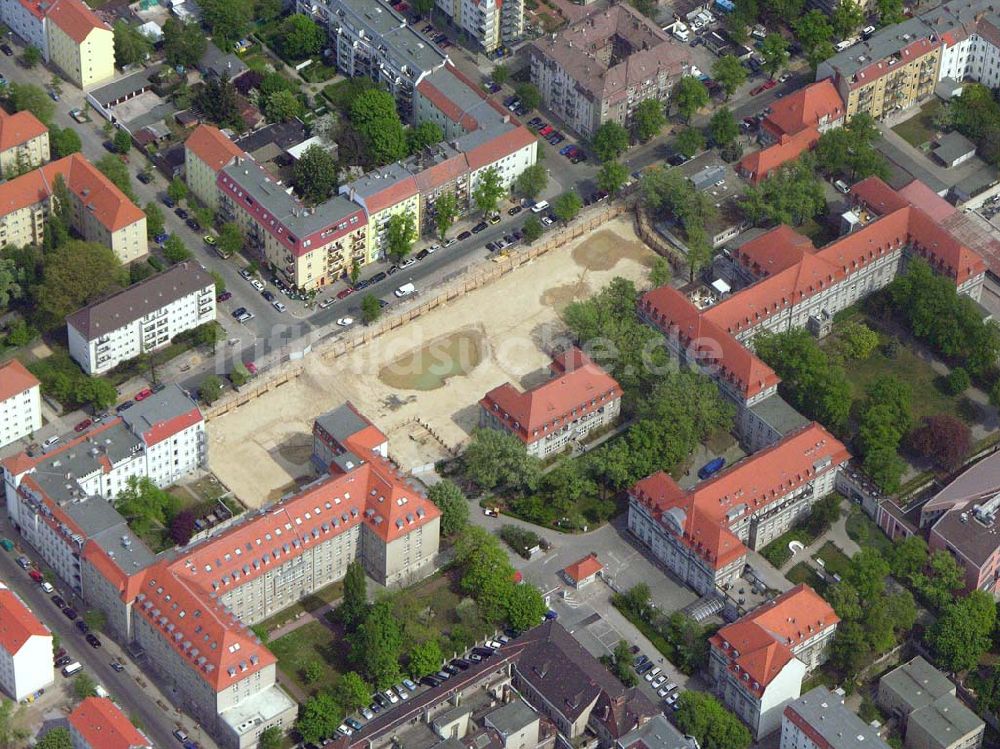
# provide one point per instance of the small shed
(583, 572)
(708, 177)
(954, 149)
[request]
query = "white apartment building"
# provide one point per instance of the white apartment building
(20, 402)
(25, 648)
(488, 23)
(141, 318)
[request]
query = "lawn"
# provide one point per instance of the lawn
(919, 129)
(835, 561)
(329, 594)
(803, 573)
(311, 643)
(863, 531)
(777, 552)
(437, 608)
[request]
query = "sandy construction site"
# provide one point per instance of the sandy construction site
(421, 384)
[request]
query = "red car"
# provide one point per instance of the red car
(143, 394)
(82, 425)
(36, 575)
(345, 293)
(251, 367)
(547, 130)
(765, 86)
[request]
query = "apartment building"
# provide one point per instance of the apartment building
(206, 151)
(371, 40)
(488, 24)
(819, 720)
(601, 67)
(24, 143)
(970, 31)
(758, 662)
(891, 71)
(793, 127)
(20, 402)
(25, 648)
(781, 282)
(924, 701)
(97, 723)
(68, 34)
(141, 318)
(702, 534)
(579, 398)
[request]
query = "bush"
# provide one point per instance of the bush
(521, 540)
(957, 381)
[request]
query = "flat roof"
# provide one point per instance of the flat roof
(946, 720)
(124, 86)
(777, 413)
(917, 683)
(824, 712)
(953, 146)
(657, 733)
(884, 43)
(513, 717)
(261, 708)
(103, 525)
(412, 48)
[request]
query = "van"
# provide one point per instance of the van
(710, 468)
(540, 206)
(405, 290)
(71, 668)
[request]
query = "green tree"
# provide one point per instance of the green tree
(122, 141)
(31, 57)
(55, 738)
(530, 183)
(301, 37)
(423, 135)
(567, 206)
(610, 141)
(95, 619)
(373, 114)
(31, 98)
(498, 460)
(64, 141)
(319, 718)
(445, 213)
(10, 278)
(101, 394)
(729, 72)
(131, 45)
(401, 233)
(12, 729)
(175, 251)
(354, 606)
(723, 127)
(239, 375)
(425, 658)
(211, 389)
(230, 239)
(532, 229)
(814, 33)
(774, 52)
(660, 272)
(84, 686)
(184, 44)
(423, 7)
(488, 190)
(963, 632)
(76, 274)
(908, 558)
(648, 119)
(529, 95)
(271, 738)
(792, 195)
(351, 692)
(851, 150)
(847, 18)
(355, 272)
(611, 177)
(154, 219)
(702, 716)
(858, 340)
(689, 95)
(371, 310)
(217, 99)
(377, 644)
(282, 106)
(229, 20)
(448, 497)
(113, 168)
(500, 74)
(315, 174)
(525, 607)
(690, 141)
(177, 190)
(890, 12)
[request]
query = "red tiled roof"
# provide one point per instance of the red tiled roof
(398, 191)
(446, 106)
(530, 415)
(441, 174)
(763, 642)
(805, 108)
(19, 128)
(96, 192)
(212, 147)
(921, 196)
(15, 379)
(705, 514)
(103, 726)
(584, 568)
(17, 623)
(774, 251)
(503, 145)
(165, 429)
(909, 53)
(34, 7)
(75, 19)
(759, 165)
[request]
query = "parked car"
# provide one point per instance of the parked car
(431, 681)
(93, 640)
(479, 227)
(180, 213)
(355, 725)
(711, 467)
(464, 235)
(118, 666)
(50, 441)
(515, 210)
(144, 177)
(653, 674)
(23, 562)
(62, 661)
(143, 394)
(36, 575)
(409, 685)
(5, 48)
(58, 601)
(82, 425)
(345, 293)
(82, 626)
(224, 296)
(69, 613)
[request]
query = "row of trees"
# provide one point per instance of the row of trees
(668, 194)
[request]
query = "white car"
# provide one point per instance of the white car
(344, 729)
(653, 674)
(50, 441)
(391, 696)
(450, 242)
(546, 221)
(278, 306)
(407, 263)
(672, 699)
(401, 691)
(326, 303)
(494, 644)
(345, 322)
(658, 681)
(257, 284)
(245, 316)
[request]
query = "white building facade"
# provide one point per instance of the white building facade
(25, 648)
(20, 403)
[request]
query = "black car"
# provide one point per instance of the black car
(491, 246)
(479, 227)
(81, 625)
(109, 146)
(239, 311)
(422, 254)
(464, 235)
(484, 652)
(450, 670)
(269, 296)
(362, 285)
(515, 210)
(64, 661)
(677, 159)
(5, 48)
(431, 681)
(180, 212)
(70, 613)
(168, 201)
(93, 641)
(381, 276)
(461, 663)
(391, 269)
(124, 406)
(58, 601)
(383, 701)
(144, 178)
(193, 224)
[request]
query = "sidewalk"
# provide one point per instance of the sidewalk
(837, 534)
(317, 615)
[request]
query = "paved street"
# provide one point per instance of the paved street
(132, 690)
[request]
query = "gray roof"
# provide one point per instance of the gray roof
(125, 86)
(707, 177)
(138, 300)
(216, 62)
(102, 524)
(60, 470)
(946, 720)
(378, 180)
(885, 43)
(282, 134)
(953, 146)
(779, 415)
(917, 683)
(408, 46)
(341, 422)
(657, 733)
(301, 221)
(158, 408)
(452, 715)
(513, 717)
(825, 713)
